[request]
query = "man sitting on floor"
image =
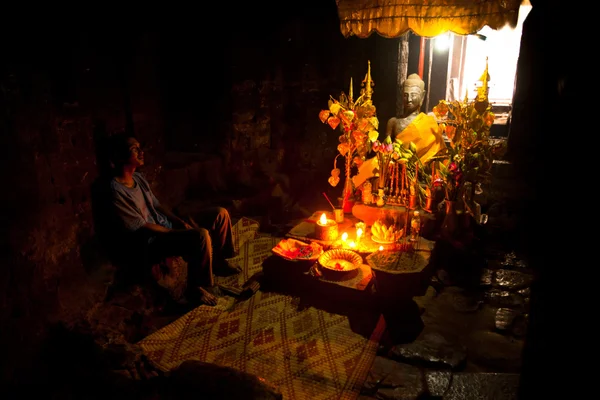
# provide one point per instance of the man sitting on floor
(205, 241)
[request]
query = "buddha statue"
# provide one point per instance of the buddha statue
(414, 125)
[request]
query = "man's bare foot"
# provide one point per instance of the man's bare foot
(207, 298)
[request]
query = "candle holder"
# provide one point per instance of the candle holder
(429, 204)
(412, 201)
(363, 228)
(327, 231)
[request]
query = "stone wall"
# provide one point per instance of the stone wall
(60, 95)
(64, 92)
(280, 84)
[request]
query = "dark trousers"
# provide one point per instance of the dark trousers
(209, 243)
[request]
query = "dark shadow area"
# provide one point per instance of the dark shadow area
(545, 103)
(72, 365)
(403, 321)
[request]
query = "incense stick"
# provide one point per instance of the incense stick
(329, 201)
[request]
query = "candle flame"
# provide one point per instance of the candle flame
(352, 244)
(344, 236)
(323, 219)
(359, 233)
(380, 248)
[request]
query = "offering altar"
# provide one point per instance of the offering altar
(376, 256)
(421, 161)
(390, 197)
(399, 268)
(347, 235)
(369, 214)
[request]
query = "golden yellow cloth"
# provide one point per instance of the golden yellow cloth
(423, 132)
(392, 18)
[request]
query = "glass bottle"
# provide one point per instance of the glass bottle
(415, 226)
(347, 195)
(449, 226)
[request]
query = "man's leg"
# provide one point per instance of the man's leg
(218, 223)
(195, 246)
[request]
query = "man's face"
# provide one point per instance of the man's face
(136, 154)
(413, 98)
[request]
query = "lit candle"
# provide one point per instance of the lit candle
(326, 229)
(352, 244)
(359, 233)
(360, 230)
(380, 248)
(323, 219)
(344, 236)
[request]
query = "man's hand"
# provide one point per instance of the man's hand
(155, 228)
(180, 223)
(174, 218)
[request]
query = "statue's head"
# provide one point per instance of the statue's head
(413, 93)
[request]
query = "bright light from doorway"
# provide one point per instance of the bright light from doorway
(502, 50)
(443, 41)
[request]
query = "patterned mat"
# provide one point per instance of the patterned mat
(306, 353)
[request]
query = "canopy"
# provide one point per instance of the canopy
(426, 18)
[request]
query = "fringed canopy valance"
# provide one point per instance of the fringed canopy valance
(426, 18)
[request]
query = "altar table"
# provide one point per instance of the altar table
(409, 279)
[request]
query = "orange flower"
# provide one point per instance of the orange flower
(440, 110)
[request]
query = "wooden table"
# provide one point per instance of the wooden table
(300, 279)
(390, 284)
(381, 289)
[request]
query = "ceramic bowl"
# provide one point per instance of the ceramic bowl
(340, 261)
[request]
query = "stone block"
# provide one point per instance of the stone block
(465, 386)
(171, 274)
(432, 350)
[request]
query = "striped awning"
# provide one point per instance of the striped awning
(426, 18)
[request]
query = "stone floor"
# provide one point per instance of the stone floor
(471, 345)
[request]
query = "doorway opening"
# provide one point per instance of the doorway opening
(455, 64)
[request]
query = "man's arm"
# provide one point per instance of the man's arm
(170, 215)
(164, 209)
(132, 220)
